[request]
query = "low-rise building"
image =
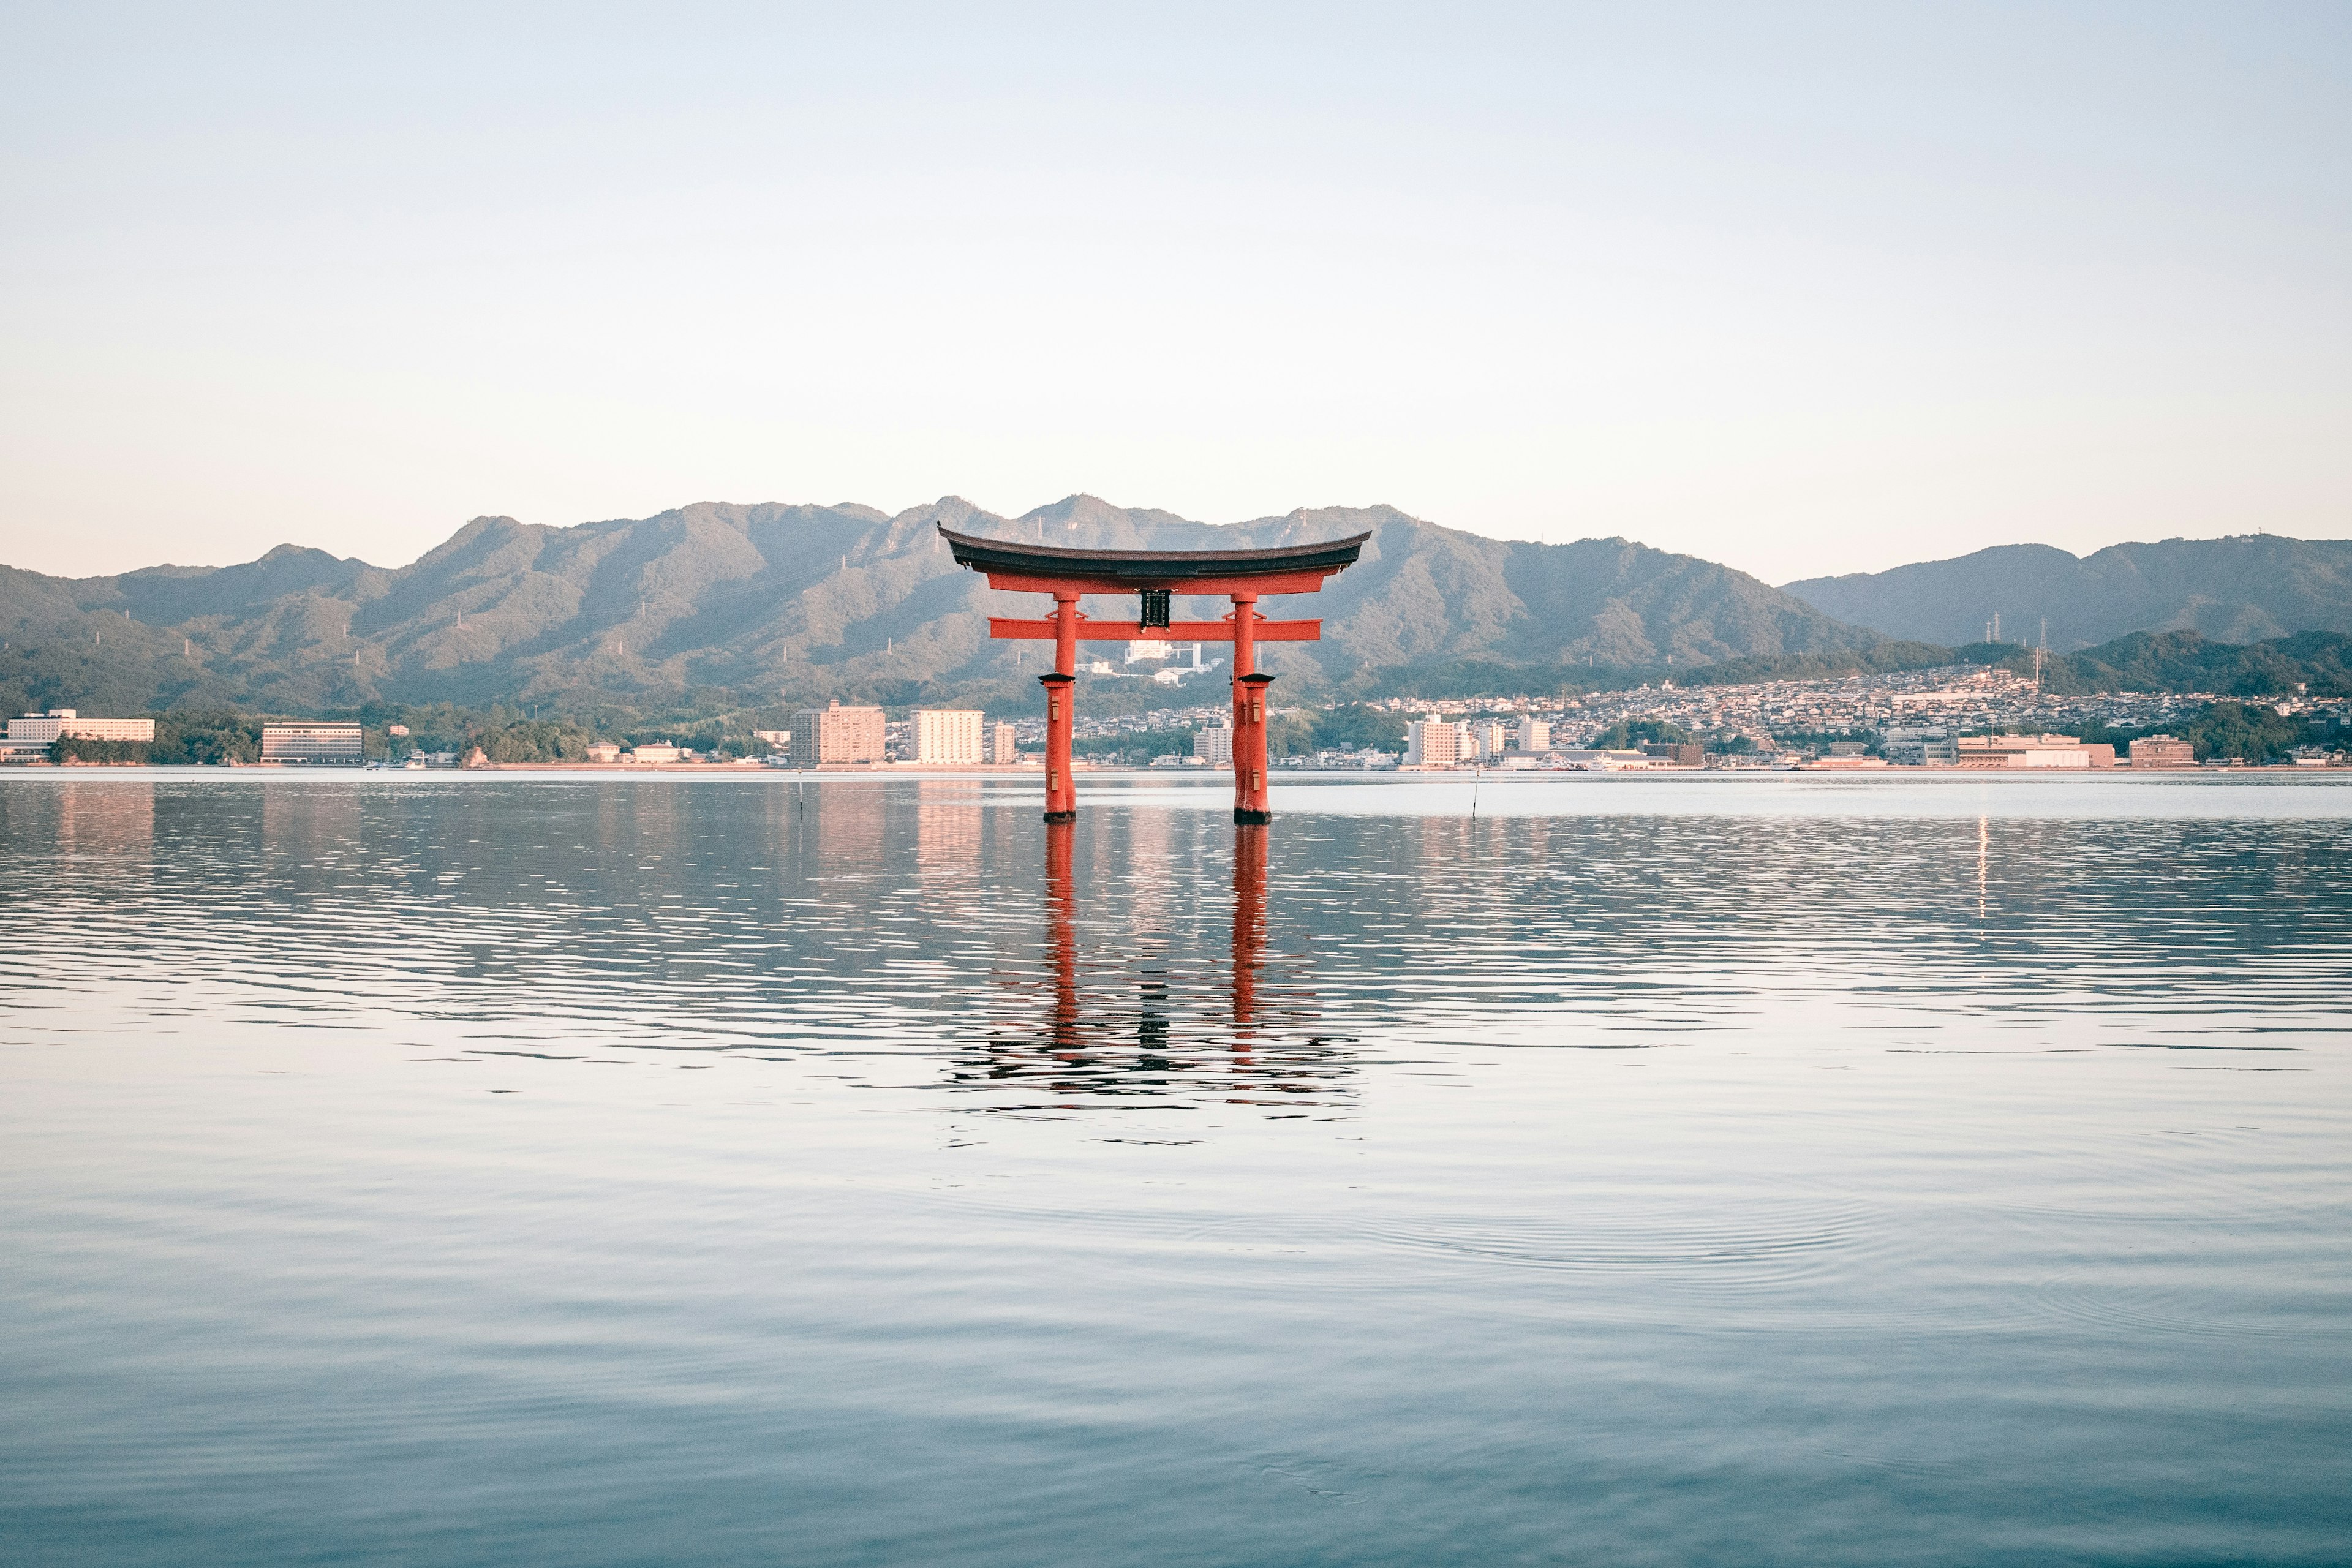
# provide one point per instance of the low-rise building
(603, 752)
(948, 737)
(656, 751)
(833, 734)
(31, 735)
(2162, 752)
(1919, 746)
(2032, 752)
(59, 722)
(328, 745)
(1675, 754)
(1603, 760)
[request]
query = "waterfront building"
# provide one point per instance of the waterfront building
(2032, 752)
(603, 751)
(1919, 746)
(1433, 742)
(1535, 734)
(1675, 754)
(657, 751)
(2162, 752)
(948, 737)
(31, 735)
(832, 735)
(1004, 744)
(314, 744)
(1214, 745)
(1485, 740)
(1596, 760)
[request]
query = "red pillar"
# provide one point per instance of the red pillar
(1249, 717)
(1061, 692)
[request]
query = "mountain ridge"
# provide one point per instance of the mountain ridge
(778, 599)
(2247, 588)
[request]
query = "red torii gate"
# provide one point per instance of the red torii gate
(1153, 575)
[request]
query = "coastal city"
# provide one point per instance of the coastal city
(1959, 716)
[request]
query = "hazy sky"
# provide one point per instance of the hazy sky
(1800, 288)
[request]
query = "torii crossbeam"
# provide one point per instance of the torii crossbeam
(1243, 576)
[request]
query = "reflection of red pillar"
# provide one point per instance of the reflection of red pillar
(1061, 693)
(1249, 716)
(1249, 921)
(1061, 933)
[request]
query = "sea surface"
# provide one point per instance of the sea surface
(479, 1169)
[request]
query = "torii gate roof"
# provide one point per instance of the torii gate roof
(1129, 571)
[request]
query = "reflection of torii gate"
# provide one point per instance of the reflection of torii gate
(1241, 575)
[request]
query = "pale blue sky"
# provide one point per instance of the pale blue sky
(1800, 288)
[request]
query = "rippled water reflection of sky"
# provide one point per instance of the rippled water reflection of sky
(1901, 1169)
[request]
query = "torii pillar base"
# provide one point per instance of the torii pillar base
(1061, 789)
(1250, 807)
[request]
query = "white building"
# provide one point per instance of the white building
(313, 743)
(1004, 745)
(1432, 743)
(1535, 734)
(41, 728)
(948, 737)
(1485, 739)
(1215, 746)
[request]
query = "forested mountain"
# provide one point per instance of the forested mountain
(2248, 589)
(762, 603)
(2184, 661)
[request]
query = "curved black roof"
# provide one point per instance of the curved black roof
(1147, 566)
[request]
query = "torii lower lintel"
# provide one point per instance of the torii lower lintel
(1242, 576)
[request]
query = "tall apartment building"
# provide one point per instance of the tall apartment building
(1004, 745)
(2162, 752)
(1215, 746)
(1535, 734)
(836, 734)
(1485, 739)
(41, 728)
(327, 744)
(1432, 743)
(948, 737)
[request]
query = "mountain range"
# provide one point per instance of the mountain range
(810, 602)
(769, 604)
(2247, 589)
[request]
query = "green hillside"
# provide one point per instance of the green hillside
(717, 603)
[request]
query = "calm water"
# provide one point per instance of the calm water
(1778, 1170)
